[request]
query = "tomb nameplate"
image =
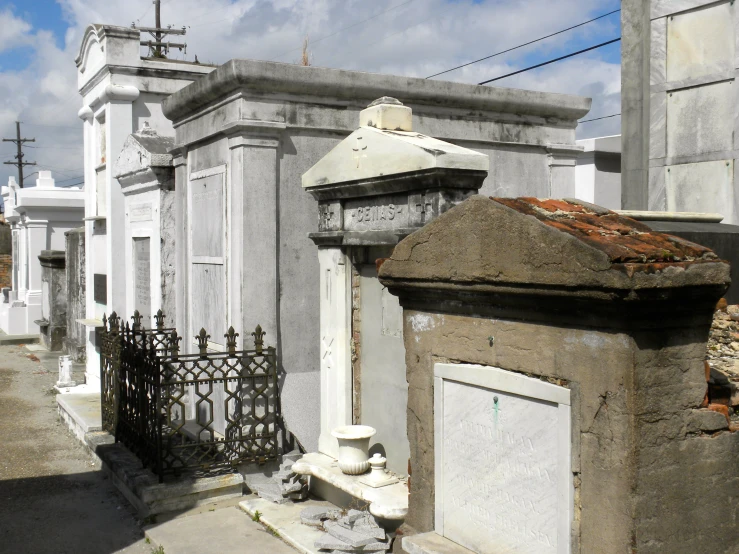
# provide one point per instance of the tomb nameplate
(142, 277)
(376, 213)
(502, 449)
(100, 288)
(140, 212)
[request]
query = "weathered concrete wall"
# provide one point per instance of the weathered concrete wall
(6, 253)
(54, 299)
(6, 270)
(681, 464)
(74, 343)
(6, 246)
(168, 256)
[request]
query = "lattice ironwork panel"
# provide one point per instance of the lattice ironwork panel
(205, 411)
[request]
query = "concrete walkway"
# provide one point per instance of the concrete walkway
(52, 497)
(55, 499)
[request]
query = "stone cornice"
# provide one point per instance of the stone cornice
(272, 77)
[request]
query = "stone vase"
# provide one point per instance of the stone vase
(354, 448)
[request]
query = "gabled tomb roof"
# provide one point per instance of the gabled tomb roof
(533, 246)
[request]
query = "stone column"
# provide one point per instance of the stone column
(16, 280)
(562, 160)
(635, 62)
(180, 319)
(254, 230)
(335, 334)
(118, 125)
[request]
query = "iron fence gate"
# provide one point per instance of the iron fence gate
(177, 412)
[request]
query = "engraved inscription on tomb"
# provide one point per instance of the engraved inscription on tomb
(387, 212)
(142, 277)
(499, 470)
(140, 212)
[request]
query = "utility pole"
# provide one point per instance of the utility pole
(158, 33)
(19, 157)
(158, 25)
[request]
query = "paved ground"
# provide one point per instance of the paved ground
(52, 497)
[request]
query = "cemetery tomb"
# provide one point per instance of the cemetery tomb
(262, 125)
(146, 176)
(39, 216)
(590, 331)
(379, 184)
(121, 96)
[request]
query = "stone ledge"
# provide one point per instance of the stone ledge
(140, 486)
(81, 413)
(432, 543)
(18, 339)
(284, 519)
(390, 502)
(144, 491)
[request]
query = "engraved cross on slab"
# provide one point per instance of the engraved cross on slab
(326, 214)
(359, 151)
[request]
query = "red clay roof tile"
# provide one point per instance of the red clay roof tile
(624, 240)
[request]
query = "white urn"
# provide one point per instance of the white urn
(354, 447)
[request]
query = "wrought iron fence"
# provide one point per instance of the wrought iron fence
(177, 412)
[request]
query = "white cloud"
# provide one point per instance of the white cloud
(413, 38)
(14, 31)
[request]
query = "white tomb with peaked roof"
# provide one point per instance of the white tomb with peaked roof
(121, 90)
(39, 216)
(145, 172)
(380, 184)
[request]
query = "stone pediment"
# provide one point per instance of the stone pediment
(370, 153)
(144, 156)
(531, 246)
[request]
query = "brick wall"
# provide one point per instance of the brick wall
(6, 264)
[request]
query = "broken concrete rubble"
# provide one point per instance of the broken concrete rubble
(283, 485)
(352, 531)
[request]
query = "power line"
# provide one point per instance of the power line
(58, 147)
(346, 28)
(19, 142)
(551, 61)
(525, 44)
(54, 126)
(71, 179)
(599, 118)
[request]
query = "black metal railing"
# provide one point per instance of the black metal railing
(177, 412)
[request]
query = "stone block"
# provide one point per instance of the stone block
(314, 515)
(700, 42)
(353, 538)
(700, 120)
(715, 195)
(271, 492)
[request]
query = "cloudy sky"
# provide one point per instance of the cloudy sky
(39, 40)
